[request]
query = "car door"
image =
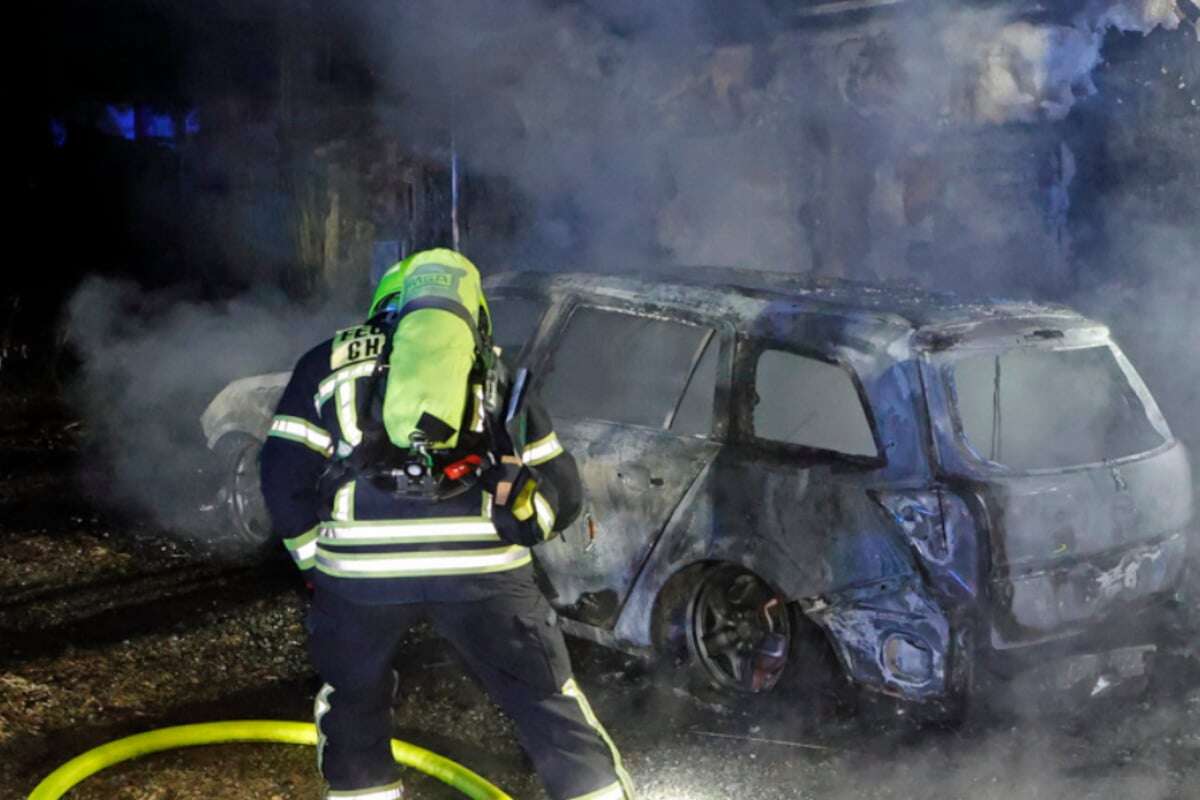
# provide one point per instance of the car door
(807, 448)
(634, 397)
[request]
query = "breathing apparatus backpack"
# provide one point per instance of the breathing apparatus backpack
(439, 405)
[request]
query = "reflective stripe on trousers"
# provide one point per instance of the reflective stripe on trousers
(321, 707)
(517, 651)
(624, 787)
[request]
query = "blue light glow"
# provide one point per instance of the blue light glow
(157, 126)
(58, 133)
(143, 122)
(120, 121)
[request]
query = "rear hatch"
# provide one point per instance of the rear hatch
(1083, 491)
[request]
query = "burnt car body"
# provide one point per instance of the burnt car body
(933, 483)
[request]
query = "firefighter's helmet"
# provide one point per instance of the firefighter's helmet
(391, 285)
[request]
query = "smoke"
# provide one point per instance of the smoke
(930, 145)
(1028, 72)
(630, 132)
(934, 145)
(151, 361)
(700, 133)
(1140, 16)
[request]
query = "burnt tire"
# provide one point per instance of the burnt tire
(245, 530)
(711, 632)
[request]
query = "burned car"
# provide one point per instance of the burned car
(932, 485)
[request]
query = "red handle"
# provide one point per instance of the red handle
(460, 468)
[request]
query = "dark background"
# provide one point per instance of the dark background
(219, 150)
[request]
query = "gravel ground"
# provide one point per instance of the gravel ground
(108, 628)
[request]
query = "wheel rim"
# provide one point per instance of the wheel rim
(247, 508)
(728, 627)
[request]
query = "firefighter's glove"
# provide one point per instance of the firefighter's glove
(510, 482)
(523, 506)
(514, 488)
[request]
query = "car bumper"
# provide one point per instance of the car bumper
(891, 636)
(1076, 599)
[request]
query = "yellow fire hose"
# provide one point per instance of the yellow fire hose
(60, 781)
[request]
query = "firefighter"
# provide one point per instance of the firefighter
(437, 525)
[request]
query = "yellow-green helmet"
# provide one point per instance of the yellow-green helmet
(433, 355)
(392, 282)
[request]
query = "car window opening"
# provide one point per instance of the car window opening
(1064, 408)
(515, 320)
(808, 402)
(632, 369)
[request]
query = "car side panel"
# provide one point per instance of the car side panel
(805, 530)
(819, 539)
(634, 479)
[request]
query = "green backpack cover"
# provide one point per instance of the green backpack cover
(434, 346)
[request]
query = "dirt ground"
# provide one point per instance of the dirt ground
(109, 627)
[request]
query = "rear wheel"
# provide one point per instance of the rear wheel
(723, 628)
(738, 631)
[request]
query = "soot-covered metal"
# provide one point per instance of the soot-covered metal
(825, 461)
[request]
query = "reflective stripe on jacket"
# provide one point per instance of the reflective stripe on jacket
(450, 543)
(369, 534)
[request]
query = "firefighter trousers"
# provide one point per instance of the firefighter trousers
(510, 642)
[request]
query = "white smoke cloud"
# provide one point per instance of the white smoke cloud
(1029, 72)
(1132, 16)
(640, 133)
(151, 361)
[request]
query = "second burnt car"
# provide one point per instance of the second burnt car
(933, 485)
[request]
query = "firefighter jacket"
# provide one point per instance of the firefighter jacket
(371, 545)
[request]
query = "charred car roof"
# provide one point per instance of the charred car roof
(865, 316)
